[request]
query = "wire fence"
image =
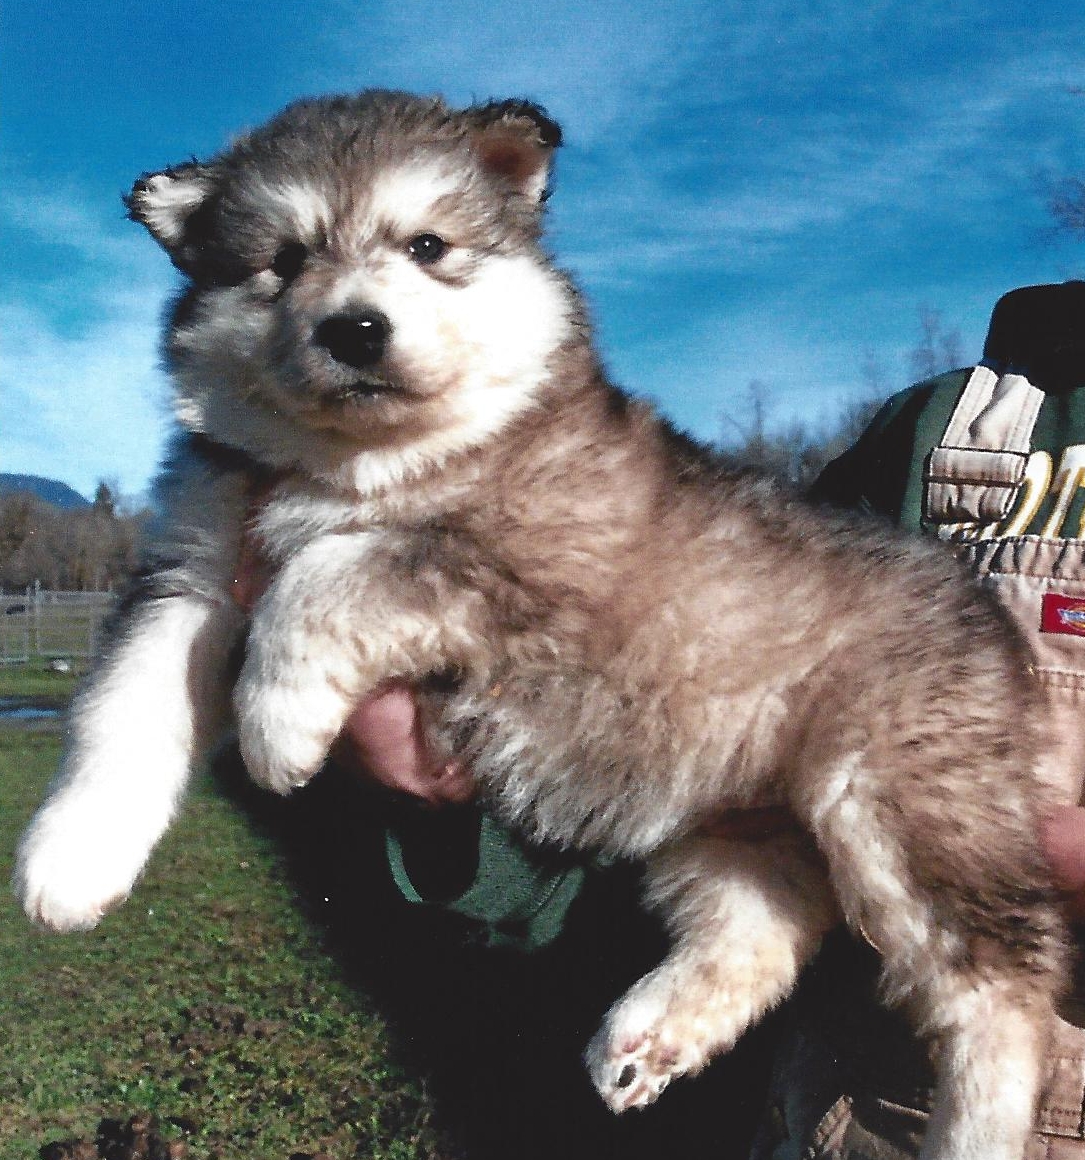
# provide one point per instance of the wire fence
(51, 626)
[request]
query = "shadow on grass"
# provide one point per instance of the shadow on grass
(498, 1034)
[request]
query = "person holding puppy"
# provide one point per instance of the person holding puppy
(991, 460)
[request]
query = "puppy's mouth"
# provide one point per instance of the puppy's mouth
(365, 389)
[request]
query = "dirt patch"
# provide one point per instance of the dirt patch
(137, 1138)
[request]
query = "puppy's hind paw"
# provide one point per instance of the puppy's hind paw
(644, 1043)
(632, 1073)
(60, 911)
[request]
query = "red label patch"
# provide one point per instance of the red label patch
(1065, 614)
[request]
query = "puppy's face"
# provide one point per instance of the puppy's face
(367, 267)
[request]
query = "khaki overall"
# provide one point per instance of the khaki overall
(851, 1084)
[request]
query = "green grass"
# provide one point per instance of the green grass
(35, 680)
(205, 1000)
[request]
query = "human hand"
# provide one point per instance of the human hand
(1062, 837)
(382, 740)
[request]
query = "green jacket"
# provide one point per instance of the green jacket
(884, 471)
(462, 860)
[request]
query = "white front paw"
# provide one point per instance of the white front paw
(69, 871)
(635, 1054)
(285, 729)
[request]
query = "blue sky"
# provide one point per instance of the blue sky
(748, 191)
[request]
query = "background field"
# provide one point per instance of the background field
(207, 1000)
(268, 995)
(38, 625)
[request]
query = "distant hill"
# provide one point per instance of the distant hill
(51, 490)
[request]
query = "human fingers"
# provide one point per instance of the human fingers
(1062, 836)
(383, 740)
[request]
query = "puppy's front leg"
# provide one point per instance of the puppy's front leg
(137, 729)
(745, 917)
(341, 617)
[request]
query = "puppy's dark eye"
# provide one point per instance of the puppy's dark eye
(288, 262)
(427, 249)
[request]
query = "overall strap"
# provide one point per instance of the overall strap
(973, 477)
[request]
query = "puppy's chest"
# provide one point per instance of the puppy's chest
(534, 580)
(291, 520)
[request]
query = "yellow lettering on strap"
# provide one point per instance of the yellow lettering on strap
(1068, 482)
(1034, 487)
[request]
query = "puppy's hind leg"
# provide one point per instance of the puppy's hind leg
(990, 1061)
(745, 918)
(982, 983)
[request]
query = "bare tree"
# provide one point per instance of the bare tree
(1066, 204)
(87, 549)
(874, 375)
(938, 349)
(747, 432)
(790, 451)
(797, 451)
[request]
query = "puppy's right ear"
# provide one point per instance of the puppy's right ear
(169, 204)
(515, 140)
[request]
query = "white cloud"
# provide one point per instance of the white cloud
(947, 148)
(84, 398)
(60, 217)
(81, 407)
(596, 64)
(789, 180)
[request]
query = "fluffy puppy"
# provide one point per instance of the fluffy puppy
(629, 638)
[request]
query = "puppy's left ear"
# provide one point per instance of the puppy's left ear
(168, 204)
(515, 140)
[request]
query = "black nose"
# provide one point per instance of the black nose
(355, 339)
